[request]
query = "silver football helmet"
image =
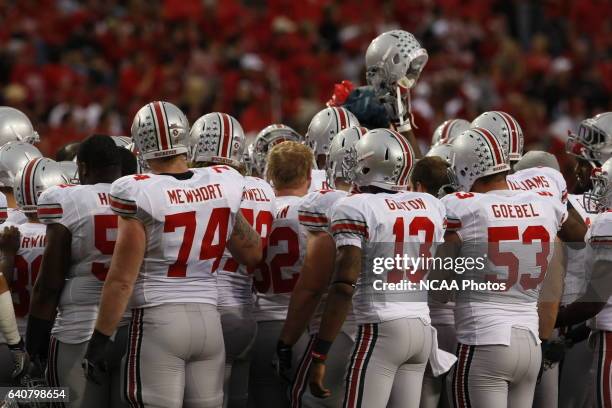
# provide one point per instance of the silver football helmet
(247, 158)
(537, 158)
(160, 129)
(13, 157)
(268, 138)
(326, 124)
(506, 129)
(37, 175)
(600, 197)
(394, 58)
(381, 158)
(122, 141)
(70, 171)
(449, 130)
(442, 150)
(594, 139)
(15, 126)
(339, 146)
(217, 138)
(476, 153)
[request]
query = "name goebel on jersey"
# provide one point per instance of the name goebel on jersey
(436, 285)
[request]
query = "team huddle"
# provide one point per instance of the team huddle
(184, 266)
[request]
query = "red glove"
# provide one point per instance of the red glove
(341, 92)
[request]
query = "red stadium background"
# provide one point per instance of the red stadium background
(77, 67)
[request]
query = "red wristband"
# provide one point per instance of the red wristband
(318, 356)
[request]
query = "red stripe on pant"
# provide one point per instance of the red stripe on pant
(605, 380)
(299, 383)
(357, 365)
(133, 385)
(460, 380)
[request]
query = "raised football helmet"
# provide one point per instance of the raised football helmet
(13, 157)
(600, 197)
(442, 150)
(339, 146)
(122, 141)
(594, 139)
(394, 58)
(449, 130)
(217, 138)
(15, 126)
(506, 129)
(70, 171)
(476, 153)
(380, 158)
(326, 124)
(37, 175)
(268, 138)
(160, 129)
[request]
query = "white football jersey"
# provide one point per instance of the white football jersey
(386, 225)
(539, 179)
(188, 220)
(498, 228)
(599, 248)
(234, 281)
(575, 275)
(276, 279)
(318, 180)
(27, 263)
(85, 211)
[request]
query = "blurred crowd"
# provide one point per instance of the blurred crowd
(78, 67)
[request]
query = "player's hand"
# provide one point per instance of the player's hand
(282, 360)
(94, 363)
(21, 360)
(316, 378)
(9, 240)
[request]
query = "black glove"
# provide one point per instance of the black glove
(576, 334)
(282, 360)
(94, 363)
(552, 352)
(21, 360)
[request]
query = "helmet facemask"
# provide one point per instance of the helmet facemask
(598, 199)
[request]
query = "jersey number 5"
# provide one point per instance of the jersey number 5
(102, 224)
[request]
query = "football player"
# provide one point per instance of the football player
(314, 214)
(430, 175)
(496, 314)
(595, 302)
(13, 158)
(80, 230)
(172, 230)
(394, 339)
(218, 139)
(288, 168)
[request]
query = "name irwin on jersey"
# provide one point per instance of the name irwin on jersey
(194, 195)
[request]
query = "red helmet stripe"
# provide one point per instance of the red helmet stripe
(445, 130)
(498, 157)
(405, 173)
(514, 142)
(343, 119)
(226, 135)
(28, 182)
(162, 130)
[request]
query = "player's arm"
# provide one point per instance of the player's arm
(312, 283)
(573, 229)
(338, 304)
(48, 289)
(119, 284)
(8, 322)
(599, 290)
(552, 289)
(411, 138)
(245, 243)
(450, 248)
(9, 245)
